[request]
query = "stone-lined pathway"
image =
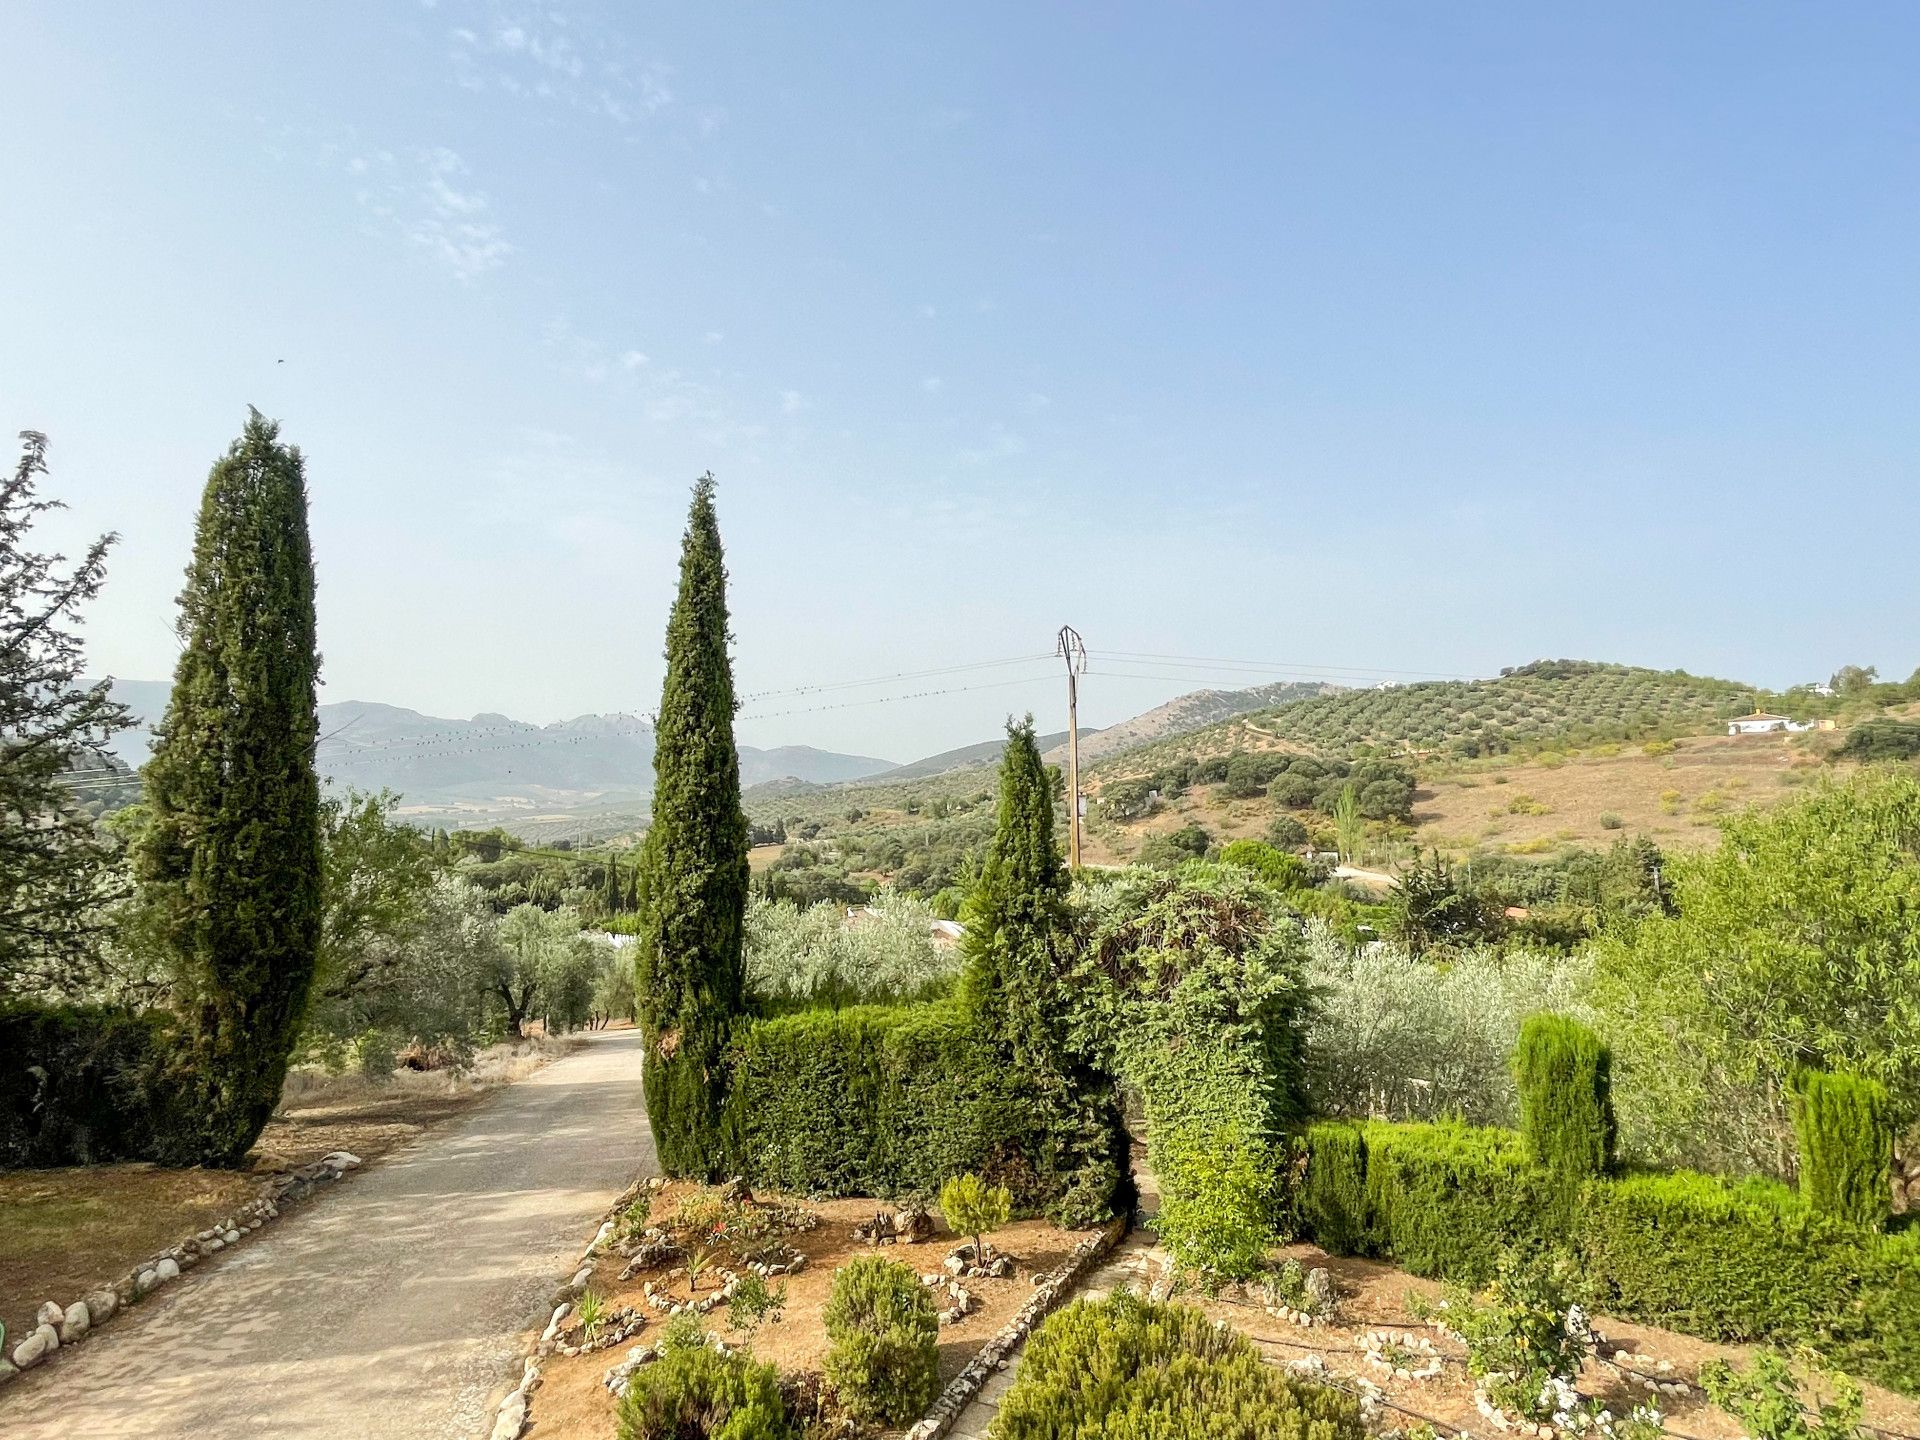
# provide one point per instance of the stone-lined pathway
(394, 1309)
(1136, 1263)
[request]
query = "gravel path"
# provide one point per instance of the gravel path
(394, 1306)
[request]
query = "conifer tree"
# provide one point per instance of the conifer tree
(53, 865)
(230, 863)
(1017, 925)
(1018, 909)
(691, 975)
(614, 888)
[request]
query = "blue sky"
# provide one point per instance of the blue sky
(1402, 338)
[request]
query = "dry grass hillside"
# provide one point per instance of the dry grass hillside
(1534, 806)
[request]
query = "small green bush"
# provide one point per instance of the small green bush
(884, 1364)
(1564, 1075)
(1765, 1398)
(1125, 1369)
(695, 1393)
(1845, 1129)
(1517, 1336)
(973, 1207)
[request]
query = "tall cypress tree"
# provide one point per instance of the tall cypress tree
(1017, 930)
(1018, 910)
(231, 859)
(691, 973)
(613, 885)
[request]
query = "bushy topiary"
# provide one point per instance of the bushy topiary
(696, 1393)
(1125, 1369)
(884, 1364)
(1565, 1078)
(1845, 1129)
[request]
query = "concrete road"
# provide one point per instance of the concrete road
(394, 1306)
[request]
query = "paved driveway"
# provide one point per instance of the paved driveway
(393, 1306)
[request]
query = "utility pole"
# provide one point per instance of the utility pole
(1073, 650)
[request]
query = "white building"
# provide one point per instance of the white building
(1762, 722)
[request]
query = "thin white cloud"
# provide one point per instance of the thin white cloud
(932, 384)
(425, 196)
(537, 52)
(792, 402)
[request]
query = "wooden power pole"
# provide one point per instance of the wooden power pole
(1074, 651)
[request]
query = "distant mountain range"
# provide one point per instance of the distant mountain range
(493, 769)
(494, 763)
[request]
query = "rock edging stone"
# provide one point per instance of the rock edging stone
(58, 1326)
(1048, 1291)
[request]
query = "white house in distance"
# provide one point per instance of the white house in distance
(1761, 722)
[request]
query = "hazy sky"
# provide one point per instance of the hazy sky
(1406, 338)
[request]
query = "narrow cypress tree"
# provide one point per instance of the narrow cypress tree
(1017, 911)
(1565, 1077)
(1845, 1128)
(231, 859)
(1017, 922)
(691, 974)
(613, 885)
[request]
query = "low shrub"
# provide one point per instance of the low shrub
(1123, 1369)
(1845, 1129)
(1765, 1398)
(695, 1393)
(1564, 1075)
(885, 1361)
(1522, 1344)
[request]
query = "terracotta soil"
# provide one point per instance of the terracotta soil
(66, 1231)
(572, 1402)
(1374, 1295)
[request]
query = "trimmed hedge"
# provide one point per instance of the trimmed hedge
(1565, 1078)
(1726, 1261)
(888, 1101)
(1845, 1129)
(84, 1086)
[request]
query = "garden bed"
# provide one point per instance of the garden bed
(573, 1401)
(1373, 1296)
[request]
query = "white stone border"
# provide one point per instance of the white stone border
(62, 1326)
(1048, 1290)
(511, 1418)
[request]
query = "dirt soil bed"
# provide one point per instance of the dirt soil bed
(573, 1404)
(66, 1231)
(1374, 1296)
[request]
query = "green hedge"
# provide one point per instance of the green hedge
(1726, 1261)
(83, 1086)
(887, 1101)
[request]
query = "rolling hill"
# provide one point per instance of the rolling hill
(1530, 707)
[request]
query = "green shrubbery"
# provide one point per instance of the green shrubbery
(1846, 1146)
(885, 1361)
(1124, 1369)
(878, 1101)
(1564, 1075)
(1189, 989)
(813, 957)
(1727, 1261)
(86, 1085)
(693, 1392)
